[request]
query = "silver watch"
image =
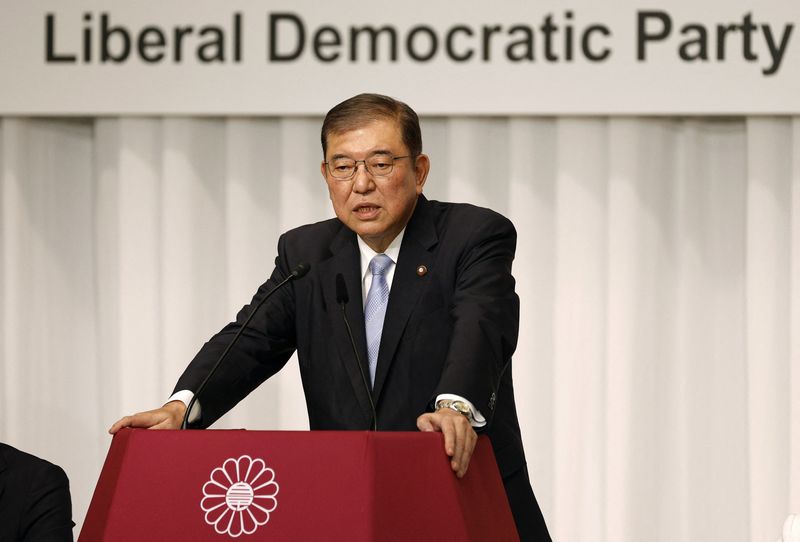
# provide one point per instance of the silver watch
(459, 406)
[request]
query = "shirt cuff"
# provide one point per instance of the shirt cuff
(185, 397)
(477, 418)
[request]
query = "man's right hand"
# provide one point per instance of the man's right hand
(170, 416)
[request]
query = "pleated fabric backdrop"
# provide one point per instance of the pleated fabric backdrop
(658, 264)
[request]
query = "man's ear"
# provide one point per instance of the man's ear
(422, 166)
(323, 169)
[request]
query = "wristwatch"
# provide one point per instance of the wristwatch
(459, 406)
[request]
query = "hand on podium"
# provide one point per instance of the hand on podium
(459, 436)
(169, 416)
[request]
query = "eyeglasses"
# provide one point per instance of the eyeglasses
(378, 165)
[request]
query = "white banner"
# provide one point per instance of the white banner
(90, 57)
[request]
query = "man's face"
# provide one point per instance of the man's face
(376, 208)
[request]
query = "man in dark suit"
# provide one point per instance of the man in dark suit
(432, 309)
(35, 503)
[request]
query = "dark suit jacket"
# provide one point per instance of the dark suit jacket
(35, 504)
(451, 329)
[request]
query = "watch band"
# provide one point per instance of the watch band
(459, 406)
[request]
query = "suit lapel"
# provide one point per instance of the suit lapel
(346, 260)
(420, 237)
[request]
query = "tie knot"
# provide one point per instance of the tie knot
(379, 264)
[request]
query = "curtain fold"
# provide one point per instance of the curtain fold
(658, 367)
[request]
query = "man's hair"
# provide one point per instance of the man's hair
(359, 110)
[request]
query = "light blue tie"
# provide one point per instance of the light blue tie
(375, 309)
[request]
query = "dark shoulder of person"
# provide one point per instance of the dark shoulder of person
(35, 503)
(467, 222)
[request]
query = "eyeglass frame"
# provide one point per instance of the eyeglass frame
(366, 167)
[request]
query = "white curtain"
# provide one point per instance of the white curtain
(658, 264)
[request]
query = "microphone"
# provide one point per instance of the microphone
(341, 291)
(342, 299)
(298, 272)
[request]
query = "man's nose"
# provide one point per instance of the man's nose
(362, 180)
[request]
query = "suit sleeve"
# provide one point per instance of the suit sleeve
(262, 350)
(485, 316)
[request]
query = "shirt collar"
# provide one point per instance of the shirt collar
(393, 251)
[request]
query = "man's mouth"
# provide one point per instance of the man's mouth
(366, 211)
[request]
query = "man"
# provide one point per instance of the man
(436, 325)
(35, 504)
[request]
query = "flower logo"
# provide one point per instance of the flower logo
(239, 496)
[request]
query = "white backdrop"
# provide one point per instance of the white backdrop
(658, 370)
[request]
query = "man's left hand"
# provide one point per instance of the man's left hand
(459, 436)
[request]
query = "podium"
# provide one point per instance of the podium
(221, 485)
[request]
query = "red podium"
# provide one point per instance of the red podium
(284, 485)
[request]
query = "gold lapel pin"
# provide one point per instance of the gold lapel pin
(422, 270)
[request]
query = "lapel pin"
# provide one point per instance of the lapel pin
(422, 270)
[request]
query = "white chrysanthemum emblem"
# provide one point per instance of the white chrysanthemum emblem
(239, 496)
